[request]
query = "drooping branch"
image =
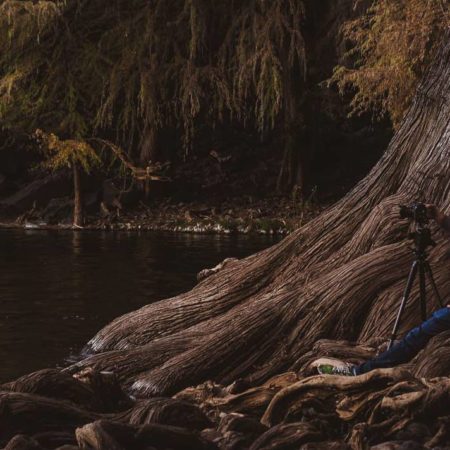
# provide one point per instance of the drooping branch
(141, 174)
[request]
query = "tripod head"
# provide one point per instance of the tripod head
(421, 236)
(422, 239)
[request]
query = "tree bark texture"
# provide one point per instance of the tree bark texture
(296, 147)
(338, 277)
(78, 219)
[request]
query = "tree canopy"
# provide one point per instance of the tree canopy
(130, 68)
(124, 71)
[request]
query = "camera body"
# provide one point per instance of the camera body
(416, 211)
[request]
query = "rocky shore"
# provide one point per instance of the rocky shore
(274, 216)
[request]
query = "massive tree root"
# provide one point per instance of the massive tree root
(254, 327)
(289, 411)
(340, 276)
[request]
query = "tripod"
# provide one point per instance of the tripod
(422, 240)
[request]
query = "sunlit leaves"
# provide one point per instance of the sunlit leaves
(392, 46)
(60, 154)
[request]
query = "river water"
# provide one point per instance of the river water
(58, 288)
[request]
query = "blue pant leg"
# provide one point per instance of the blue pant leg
(411, 344)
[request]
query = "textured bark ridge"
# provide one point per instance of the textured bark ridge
(338, 277)
(254, 326)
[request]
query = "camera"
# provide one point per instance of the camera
(416, 211)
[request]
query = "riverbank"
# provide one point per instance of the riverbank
(275, 216)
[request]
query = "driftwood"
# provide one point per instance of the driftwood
(149, 173)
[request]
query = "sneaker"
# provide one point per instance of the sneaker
(331, 366)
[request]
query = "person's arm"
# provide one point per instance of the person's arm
(439, 217)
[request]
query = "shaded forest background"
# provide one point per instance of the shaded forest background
(200, 100)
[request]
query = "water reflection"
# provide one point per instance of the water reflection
(58, 288)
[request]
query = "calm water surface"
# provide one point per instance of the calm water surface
(57, 289)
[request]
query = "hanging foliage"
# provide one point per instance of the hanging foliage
(392, 45)
(130, 68)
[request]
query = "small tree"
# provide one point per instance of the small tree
(73, 154)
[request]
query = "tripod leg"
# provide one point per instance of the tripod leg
(433, 283)
(423, 292)
(409, 285)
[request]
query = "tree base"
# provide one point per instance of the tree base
(390, 407)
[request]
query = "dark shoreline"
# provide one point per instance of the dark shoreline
(194, 228)
(272, 219)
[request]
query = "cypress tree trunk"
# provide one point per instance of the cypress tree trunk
(338, 277)
(148, 149)
(148, 155)
(78, 219)
(295, 94)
